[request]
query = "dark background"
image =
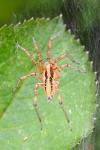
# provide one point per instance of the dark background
(82, 17)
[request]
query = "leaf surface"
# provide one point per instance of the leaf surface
(19, 126)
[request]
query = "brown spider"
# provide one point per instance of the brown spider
(49, 74)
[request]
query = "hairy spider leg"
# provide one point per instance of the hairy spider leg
(64, 55)
(37, 51)
(48, 51)
(62, 104)
(50, 45)
(25, 77)
(70, 66)
(35, 102)
(60, 58)
(27, 53)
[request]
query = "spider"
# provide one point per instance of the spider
(48, 74)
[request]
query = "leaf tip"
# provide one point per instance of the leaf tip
(60, 15)
(97, 82)
(43, 18)
(11, 25)
(31, 18)
(95, 73)
(17, 45)
(24, 20)
(73, 36)
(91, 62)
(83, 46)
(96, 94)
(87, 52)
(34, 41)
(97, 105)
(69, 30)
(19, 23)
(5, 25)
(48, 19)
(78, 40)
(94, 119)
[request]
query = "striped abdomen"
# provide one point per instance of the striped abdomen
(49, 83)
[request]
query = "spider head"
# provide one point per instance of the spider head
(47, 64)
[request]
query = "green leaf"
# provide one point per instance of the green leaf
(19, 126)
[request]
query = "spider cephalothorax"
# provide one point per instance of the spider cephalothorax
(49, 74)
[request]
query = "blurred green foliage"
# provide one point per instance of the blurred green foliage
(83, 17)
(14, 11)
(8, 8)
(84, 13)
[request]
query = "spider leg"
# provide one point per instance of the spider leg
(49, 48)
(70, 66)
(62, 107)
(60, 57)
(37, 51)
(35, 102)
(25, 77)
(50, 45)
(27, 53)
(64, 55)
